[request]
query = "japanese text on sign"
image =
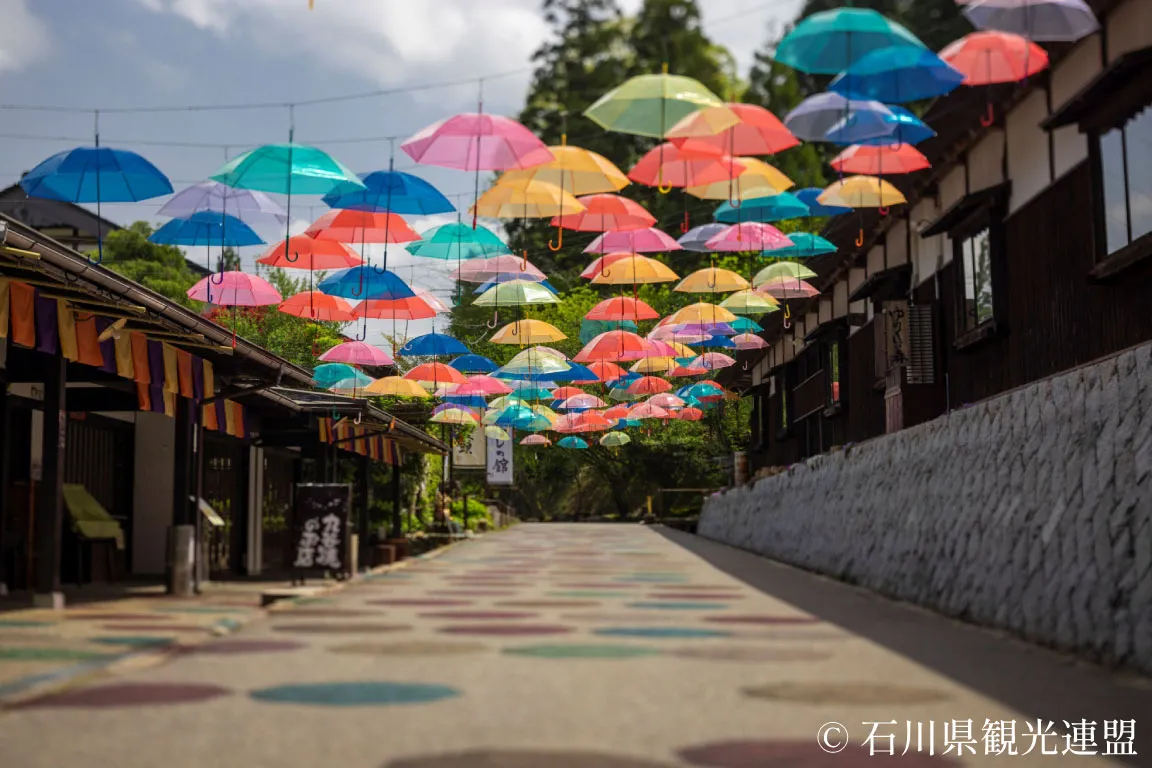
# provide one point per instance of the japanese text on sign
(499, 462)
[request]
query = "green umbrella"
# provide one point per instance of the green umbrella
(516, 293)
(790, 269)
(613, 439)
(288, 169)
(649, 105)
(535, 361)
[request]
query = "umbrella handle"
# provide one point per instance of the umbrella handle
(291, 259)
(686, 224)
(860, 239)
(495, 320)
(883, 210)
(988, 117)
(663, 189)
(559, 245)
(524, 260)
(604, 271)
(745, 366)
(787, 324)
(364, 332)
(360, 288)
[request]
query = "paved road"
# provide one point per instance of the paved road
(568, 646)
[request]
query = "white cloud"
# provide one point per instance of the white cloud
(25, 37)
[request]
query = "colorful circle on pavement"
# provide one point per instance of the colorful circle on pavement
(679, 606)
(800, 754)
(592, 593)
(131, 695)
(134, 640)
(768, 620)
(341, 628)
(230, 647)
(204, 609)
(696, 596)
(354, 694)
(421, 602)
(14, 623)
(505, 630)
(112, 617)
(844, 693)
(660, 632)
(474, 592)
(479, 615)
(582, 651)
(50, 654)
(751, 654)
(548, 603)
(411, 648)
(156, 628)
(325, 613)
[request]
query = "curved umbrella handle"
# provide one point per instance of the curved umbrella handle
(515, 328)
(359, 288)
(988, 117)
(358, 417)
(745, 366)
(787, 324)
(383, 263)
(883, 210)
(686, 224)
(495, 320)
(604, 270)
(787, 310)
(860, 239)
(212, 277)
(663, 189)
(291, 259)
(559, 245)
(524, 258)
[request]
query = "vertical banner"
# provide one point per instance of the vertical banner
(896, 333)
(469, 452)
(499, 461)
(320, 534)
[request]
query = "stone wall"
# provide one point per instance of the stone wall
(1030, 512)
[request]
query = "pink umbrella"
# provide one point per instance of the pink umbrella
(488, 385)
(648, 411)
(749, 236)
(536, 440)
(666, 400)
(658, 348)
(648, 240)
(712, 361)
(483, 270)
(431, 299)
(614, 346)
(749, 341)
(477, 142)
(357, 353)
(569, 422)
(582, 401)
(683, 337)
(235, 289)
(788, 288)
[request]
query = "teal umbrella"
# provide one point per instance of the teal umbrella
(829, 42)
(572, 442)
(458, 241)
(804, 245)
(772, 208)
(288, 169)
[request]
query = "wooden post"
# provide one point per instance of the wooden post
(50, 502)
(397, 531)
(182, 479)
(364, 552)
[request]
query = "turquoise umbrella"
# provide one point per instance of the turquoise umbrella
(747, 325)
(328, 374)
(458, 241)
(572, 442)
(288, 169)
(804, 245)
(830, 42)
(772, 208)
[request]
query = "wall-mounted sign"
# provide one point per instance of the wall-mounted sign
(896, 333)
(320, 528)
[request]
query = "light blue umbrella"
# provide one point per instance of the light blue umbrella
(473, 364)
(450, 242)
(831, 41)
(206, 228)
(357, 380)
(392, 191)
(590, 329)
(328, 374)
(745, 324)
(776, 207)
(804, 245)
(248, 205)
(897, 75)
(809, 196)
(696, 239)
(360, 283)
(906, 129)
(812, 118)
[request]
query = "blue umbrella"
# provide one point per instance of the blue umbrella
(860, 127)
(718, 342)
(361, 283)
(94, 175)
(328, 374)
(206, 228)
(357, 380)
(473, 364)
(812, 118)
(897, 75)
(831, 41)
(746, 324)
(513, 413)
(575, 372)
(393, 191)
(433, 345)
(537, 423)
(624, 381)
(772, 208)
(906, 129)
(804, 245)
(808, 196)
(572, 442)
(696, 239)
(471, 401)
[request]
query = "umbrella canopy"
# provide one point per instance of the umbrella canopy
(804, 245)
(431, 299)
(575, 170)
(391, 191)
(634, 270)
(306, 252)
(396, 386)
(649, 385)
(485, 385)
(206, 228)
(602, 263)
(473, 364)
(649, 365)
(516, 293)
(758, 179)
(353, 381)
(704, 391)
(456, 416)
(745, 325)
(495, 268)
(477, 142)
(614, 346)
(880, 161)
(530, 199)
(785, 288)
(287, 169)
(622, 308)
(96, 174)
(897, 75)
(701, 313)
(686, 369)
(648, 240)
(435, 375)
(351, 225)
(606, 212)
(614, 439)
(759, 132)
(606, 370)
(862, 192)
(696, 239)
(717, 342)
(329, 373)
(713, 361)
(525, 332)
(318, 306)
(248, 205)
(748, 341)
(496, 433)
(748, 236)
(690, 414)
(648, 411)
(572, 442)
(774, 208)
(361, 283)
(650, 105)
(749, 303)
(810, 197)
(410, 308)
(581, 402)
(533, 363)
(666, 400)
(357, 353)
(898, 126)
(433, 345)
(830, 42)
(670, 166)
(536, 440)
(812, 118)
(1045, 20)
(987, 58)
(235, 289)
(563, 393)
(712, 280)
(782, 269)
(457, 242)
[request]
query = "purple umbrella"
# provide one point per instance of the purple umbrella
(698, 237)
(245, 204)
(814, 117)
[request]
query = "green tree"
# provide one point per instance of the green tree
(162, 268)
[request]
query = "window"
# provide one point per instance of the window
(975, 262)
(1126, 184)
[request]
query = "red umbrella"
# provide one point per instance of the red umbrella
(606, 212)
(315, 305)
(759, 132)
(592, 421)
(616, 412)
(606, 371)
(622, 308)
(669, 166)
(880, 161)
(649, 385)
(436, 374)
(987, 58)
(411, 308)
(690, 414)
(614, 346)
(563, 393)
(306, 252)
(348, 225)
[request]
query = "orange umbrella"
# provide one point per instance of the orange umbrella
(669, 166)
(592, 421)
(306, 252)
(606, 370)
(759, 132)
(690, 414)
(411, 308)
(601, 264)
(315, 305)
(880, 161)
(606, 212)
(622, 308)
(563, 393)
(614, 346)
(347, 225)
(436, 374)
(649, 385)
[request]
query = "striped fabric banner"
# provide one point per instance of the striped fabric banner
(66, 329)
(47, 325)
(88, 342)
(141, 371)
(184, 371)
(22, 314)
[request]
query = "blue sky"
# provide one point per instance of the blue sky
(129, 53)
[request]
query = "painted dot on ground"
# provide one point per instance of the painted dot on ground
(505, 630)
(622, 617)
(660, 632)
(582, 651)
(421, 602)
(134, 641)
(589, 593)
(548, 603)
(411, 648)
(130, 695)
(798, 754)
(50, 654)
(689, 596)
(354, 694)
(844, 693)
(202, 609)
(341, 628)
(512, 758)
(479, 615)
(679, 606)
(751, 653)
(232, 647)
(770, 620)
(113, 617)
(18, 623)
(474, 592)
(326, 613)
(156, 628)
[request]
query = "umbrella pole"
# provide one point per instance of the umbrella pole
(288, 209)
(99, 228)
(476, 186)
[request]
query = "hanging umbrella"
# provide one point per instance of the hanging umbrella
(349, 225)
(712, 280)
(496, 433)
(804, 245)
(696, 239)
(650, 105)
(435, 375)
(357, 353)
(396, 386)
(411, 308)
(785, 288)
(613, 346)
(987, 58)
(690, 414)
(507, 277)
(486, 385)
(328, 374)
(516, 293)
(581, 402)
(648, 411)
(764, 209)
(572, 442)
(591, 421)
(701, 313)
(391, 191)
(575, 170)
(536, 440)
(525, 199)
(896, 76)
(649, 365)
(888, 160)
(532, 363)
(1063, 21)
(685, 369)
(235, 289)
(206, 228)
(713, 361)
(431, 299)
(758, 179)
(365, 284)
(563, 393)
(759, 132)
(606, 370)
(830, 42)
(782, 269)
(473, 364)
(899, 126)
(749, 303)
(433, 345)
(717, 342)
(525, 332)
(247, 205)
(355, 381)
(633, 241)
(746, 325)
(590, 329)
(634, 270)
(318, 306)
(615, 439)
(477, 142)
(495, 268)
(666, 400)
(812, 118)
(748, 236)
(454, 416)
(670, 166)
(862, 192)
(534, 423)
(649, 385)
(809, 196)
(457, 242)
(606, 212)
(747, 341)
(622, 308)
(287, 169)
(306, 252)
(602, 263)
(704, 391)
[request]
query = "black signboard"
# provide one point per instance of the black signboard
(320, 534)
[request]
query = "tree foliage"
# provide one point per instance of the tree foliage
(162, 268)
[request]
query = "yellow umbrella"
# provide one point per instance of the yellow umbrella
(712, 280)
(545, 411)
(496, 433)
(701, 313)
(758, 180)
(782, 269)
(575, 170)
(861, 192)
(454, 416)
(395, 386)
(525, 198)
(683, 350)
(655, 364)
(750, 303)
(525, 332)
(634, 270)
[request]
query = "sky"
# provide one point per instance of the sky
(426, 54)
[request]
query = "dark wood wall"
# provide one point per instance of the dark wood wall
(863, 403)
